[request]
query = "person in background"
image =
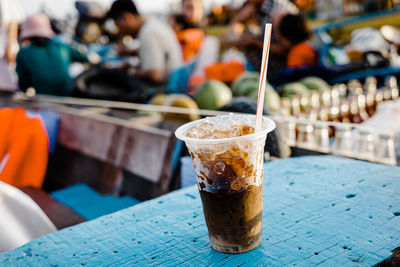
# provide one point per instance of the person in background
(10, 15)
(190, 37)
(199, 50)
(302, 54)
(159, 52)
(178, 22)
(251, 42)
(42, 63)
(193, 12)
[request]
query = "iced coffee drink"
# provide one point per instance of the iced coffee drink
(227, 157)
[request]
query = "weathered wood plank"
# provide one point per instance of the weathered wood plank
(59, 214)
(93, 110)
(138, 149)
(131, 144)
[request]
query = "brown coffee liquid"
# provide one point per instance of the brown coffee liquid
(230, 187)
(234, 218)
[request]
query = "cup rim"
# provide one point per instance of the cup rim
(179, 133)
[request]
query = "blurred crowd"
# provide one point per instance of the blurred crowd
(126, 55)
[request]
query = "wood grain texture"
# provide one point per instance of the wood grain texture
(122, 141)
(61, 215)
(324, 211)
(113, 140)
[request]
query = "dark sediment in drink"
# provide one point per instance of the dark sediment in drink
(234, 218)
(230, 184)
(227, 157)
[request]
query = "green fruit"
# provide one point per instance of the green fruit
(213, 95)
(181, 101)
(247, 85)
(248, 88)
(158, 99)
(314, 83)
(291, 89)
(272, 101)
(248, 79)
(253, 94)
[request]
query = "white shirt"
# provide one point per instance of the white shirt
(159, 47)
(10, 10)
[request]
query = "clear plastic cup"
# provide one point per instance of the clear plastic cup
(229, 173)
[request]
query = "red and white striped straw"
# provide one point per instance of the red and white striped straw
(263, 75)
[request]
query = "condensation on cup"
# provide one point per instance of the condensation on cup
(227, 158)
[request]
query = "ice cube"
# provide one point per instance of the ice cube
(236, 184)
(219, 168)
(192, 132)
(222, 127)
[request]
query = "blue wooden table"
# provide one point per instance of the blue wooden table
(323, 211)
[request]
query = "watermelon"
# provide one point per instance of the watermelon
(253, 93)
(295, 88)
(248, 87)
(246, 80)
(212, 95)
(315, 83)
(272, 101)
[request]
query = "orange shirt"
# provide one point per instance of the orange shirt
(190, 40)
(224, 71)
(23, 149)
(302, 54)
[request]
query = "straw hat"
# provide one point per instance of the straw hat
(37, 25)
